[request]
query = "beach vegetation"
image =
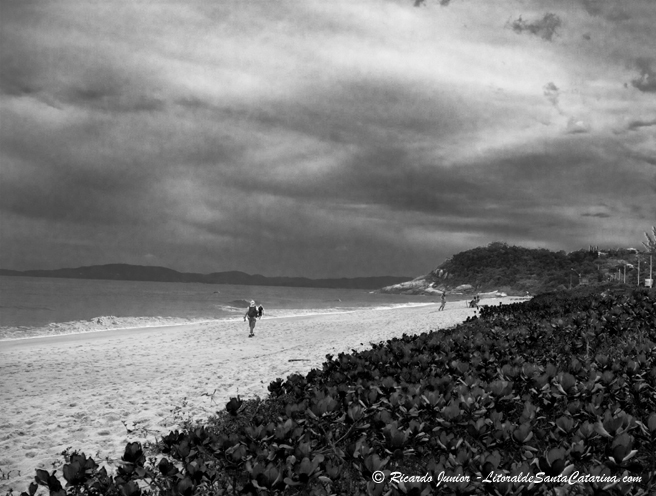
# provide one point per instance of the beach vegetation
(650, 244)
(556, 395)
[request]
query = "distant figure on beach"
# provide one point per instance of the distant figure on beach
(253, 313)
(474, 302)
(443, 301)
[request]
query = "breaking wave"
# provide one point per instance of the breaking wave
(110, 323)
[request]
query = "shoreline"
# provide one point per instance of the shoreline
(95, 392)
(157, 322)
(160, 322)
(95, 334)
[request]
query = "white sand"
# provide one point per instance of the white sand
(78, 391)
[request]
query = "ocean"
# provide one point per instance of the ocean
(36, 306)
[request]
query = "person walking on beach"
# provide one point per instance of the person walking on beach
(443, 301)
(253, 313)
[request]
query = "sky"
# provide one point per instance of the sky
(340, 138)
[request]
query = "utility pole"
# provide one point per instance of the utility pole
(651, 271)
(625, 274)
(638, 271)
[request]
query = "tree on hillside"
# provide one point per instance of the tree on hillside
(650, 245)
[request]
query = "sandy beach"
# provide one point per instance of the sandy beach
(97, 391)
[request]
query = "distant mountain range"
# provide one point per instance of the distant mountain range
(126, 272)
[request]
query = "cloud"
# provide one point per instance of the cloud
(551, 92)
(113, 101)
(610, 10)
(600, 215)
(646, 80)
(594, 7)
(637, 124)
(443, 3)
(322, 139)
(546, 28)
(577, 126)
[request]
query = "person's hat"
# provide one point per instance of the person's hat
(252, 303)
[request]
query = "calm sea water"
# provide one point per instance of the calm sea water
(31, 306)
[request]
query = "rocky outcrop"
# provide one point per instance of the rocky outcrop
(414, 287)
(425, 286)
(433, 283)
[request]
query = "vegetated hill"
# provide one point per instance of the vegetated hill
(516, 270)
(126, 272)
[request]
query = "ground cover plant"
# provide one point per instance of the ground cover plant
(558, 392)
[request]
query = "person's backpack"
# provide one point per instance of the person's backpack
(252, 311)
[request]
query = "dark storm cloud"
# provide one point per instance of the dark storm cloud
(71, 201)
(551, 93)
(546, 27)
(649, 159)
(479, 196)
(110, 101)
(105, 87)
(570, 175)
(443, 3)
(392, 178)
(637, 124)
(377, 168)
(577, 126)
(594, 7)
(646, 80)
(610, 10)
(600, 215)
(372, 141)
(92, 172)
(36, 186)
